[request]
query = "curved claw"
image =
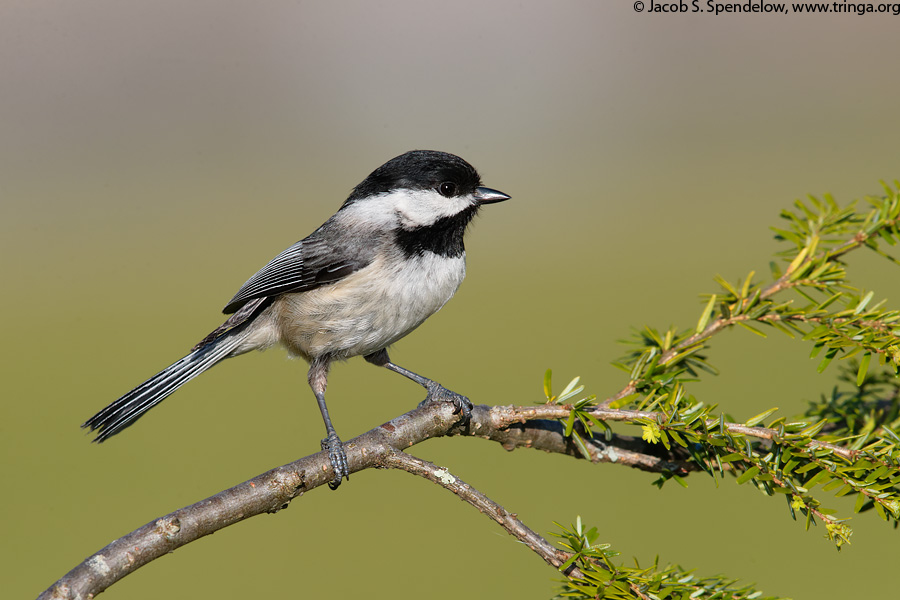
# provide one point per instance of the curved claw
(335, 448)
(438, 393)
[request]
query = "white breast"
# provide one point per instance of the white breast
(370, 309)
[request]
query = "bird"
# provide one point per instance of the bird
(389, 258)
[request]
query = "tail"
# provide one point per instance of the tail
(132, 406)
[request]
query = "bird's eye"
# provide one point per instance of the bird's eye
(448, 189)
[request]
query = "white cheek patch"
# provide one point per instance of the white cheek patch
(372, 213)
(408, 209)
(420, 208)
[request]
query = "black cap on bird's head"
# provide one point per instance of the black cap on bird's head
(446, 173)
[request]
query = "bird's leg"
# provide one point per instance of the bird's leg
(318, 379)
(436, 392)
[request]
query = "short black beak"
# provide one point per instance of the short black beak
(488, 196)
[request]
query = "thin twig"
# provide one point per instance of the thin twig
(720, 323)
(507, 520)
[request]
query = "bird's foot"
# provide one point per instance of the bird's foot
(335, 448)
(438, 393)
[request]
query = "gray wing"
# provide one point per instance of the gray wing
(324, 257)
(246, 313)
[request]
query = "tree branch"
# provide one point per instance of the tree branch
(512, 427)
(507, 426)
(506, 415)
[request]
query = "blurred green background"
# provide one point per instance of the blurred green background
(153, 155)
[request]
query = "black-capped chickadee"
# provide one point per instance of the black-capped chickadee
(390, 257)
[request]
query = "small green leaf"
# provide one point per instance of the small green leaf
(678, 439)
(623, 401)
(863, 367)
(570, 424)
(664, 438)
(798, 260)
(832, 352)
(585, 401)
(818, 478)
(828, 302)
(748, 475)
(568, 563)
(833, 485)
(581, 446)
(863, 303)
(746, 287)
(879, 472)
(752, 329)
(721, 281)
(782, 329)
(570, 391)
(707, 312)
(547, 387)
(813, 429)
(760, 417)
(844, 490)
(890, 433)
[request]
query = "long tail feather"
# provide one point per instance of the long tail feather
(130, 407)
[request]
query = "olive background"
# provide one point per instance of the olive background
(154, 155)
